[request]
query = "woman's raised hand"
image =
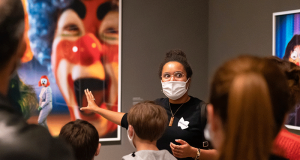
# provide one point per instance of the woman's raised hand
(92, 106)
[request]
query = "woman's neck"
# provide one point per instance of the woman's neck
(181, 100)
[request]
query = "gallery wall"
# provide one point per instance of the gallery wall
(240, 26)
(150, 29)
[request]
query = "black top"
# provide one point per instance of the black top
(191, 112)
(20, 140)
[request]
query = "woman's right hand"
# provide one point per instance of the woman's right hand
(92, 106)
(115, 117)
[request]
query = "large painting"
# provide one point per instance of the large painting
(286, 45)
(76, 45)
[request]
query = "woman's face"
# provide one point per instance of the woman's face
(85, 55)
(173, 71)
(295, 55)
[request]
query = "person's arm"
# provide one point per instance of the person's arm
(112, 116)
(185, 150)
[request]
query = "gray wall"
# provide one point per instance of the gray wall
(150, 29)
(242, 26)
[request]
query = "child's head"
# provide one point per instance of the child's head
(147, 120)
(83, 138)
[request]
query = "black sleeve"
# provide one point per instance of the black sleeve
(124, 122)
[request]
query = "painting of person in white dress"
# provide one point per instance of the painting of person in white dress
(45, 101)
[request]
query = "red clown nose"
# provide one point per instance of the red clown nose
(85, 51)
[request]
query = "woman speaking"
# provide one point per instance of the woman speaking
(184, 135)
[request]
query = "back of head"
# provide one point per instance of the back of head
(148, 120)
(83, 138)
(292, 73)
(244, 93)
(11, 28)
(178, 56)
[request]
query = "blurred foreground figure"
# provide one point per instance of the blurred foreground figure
(19, 140)
(83, 137)
(247, 98)
(286, 143)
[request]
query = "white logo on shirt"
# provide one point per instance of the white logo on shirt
(183, 124)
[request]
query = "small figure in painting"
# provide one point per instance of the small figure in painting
(45, 102)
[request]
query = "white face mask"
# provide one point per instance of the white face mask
(130, 138)
(174, 89)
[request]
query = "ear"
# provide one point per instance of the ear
(130, 130)
(189, 83)
(210, 113)
(98, 149)
(212, 118)
(216, 127)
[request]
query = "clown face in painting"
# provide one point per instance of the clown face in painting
(85, 55)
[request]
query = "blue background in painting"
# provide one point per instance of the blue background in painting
(31, 72)
(284, 31)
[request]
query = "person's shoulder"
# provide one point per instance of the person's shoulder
(20, 139)
(194, 101)
(128, 157)
(161, 101)
(49, 89)
(285, 136)
(157, 155)
(168, 155)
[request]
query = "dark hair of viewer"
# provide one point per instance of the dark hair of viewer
(292, 73)
(11, 28)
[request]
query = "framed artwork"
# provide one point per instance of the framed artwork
(76, 44)
(286, 45)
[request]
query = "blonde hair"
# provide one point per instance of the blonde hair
(250, 119)
(244, 93)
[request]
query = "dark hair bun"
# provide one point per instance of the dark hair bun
(175, 52)
(178, 56)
